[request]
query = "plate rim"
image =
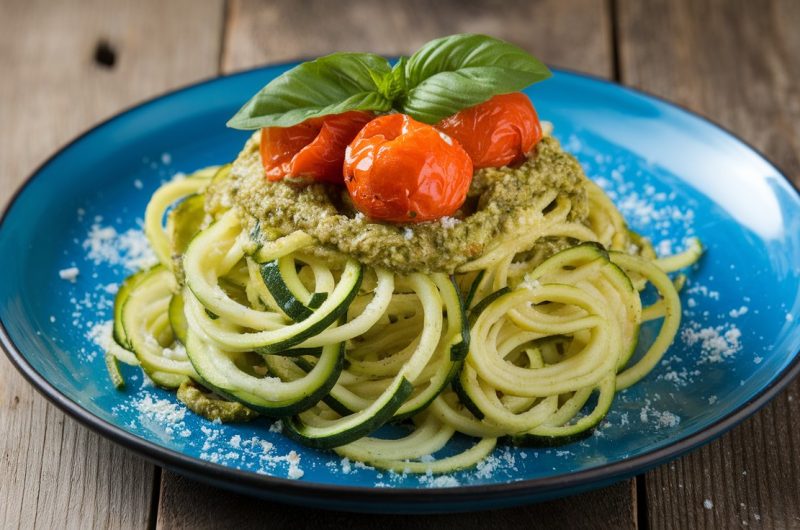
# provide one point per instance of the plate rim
(284, 489)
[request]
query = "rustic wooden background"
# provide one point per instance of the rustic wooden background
(67, 65)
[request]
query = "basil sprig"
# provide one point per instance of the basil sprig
(443, 77)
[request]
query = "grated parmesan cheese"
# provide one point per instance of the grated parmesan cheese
(276, 427)
(716, 342)
(161, 410)
(101, 334)
(69, 274)
(448, 222)
(660, 419)
(527, 283)
(178, 353)
(294, 466)
(442, 481)
(129, 249)
(736, 313)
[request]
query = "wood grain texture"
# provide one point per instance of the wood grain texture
(739, 63)
(200, 507)
(56, 474)
(574, 34)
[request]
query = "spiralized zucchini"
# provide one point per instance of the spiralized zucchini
(521, 345)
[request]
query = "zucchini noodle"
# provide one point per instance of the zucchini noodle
(525, 344)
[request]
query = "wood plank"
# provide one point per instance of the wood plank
(574, 34)
(739, 63)
(187, 504)
(56, 474)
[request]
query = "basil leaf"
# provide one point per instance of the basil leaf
(333, 84)
(444, 76)
(456, 72)
(397, 80)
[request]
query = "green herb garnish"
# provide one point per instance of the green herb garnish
(441, 78)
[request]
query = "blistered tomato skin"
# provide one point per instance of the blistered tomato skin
(403, 171)
(497, 132)
(313, 149)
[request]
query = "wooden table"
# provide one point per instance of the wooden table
(65, 66)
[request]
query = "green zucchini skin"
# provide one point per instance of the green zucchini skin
(456, 385)
(585, 253)
(298, 352)
(177, 318)
(571, 434)
(275, 409)
(294, 308)
(281, 347)
(316, 300)
(483, 304)
(530, 440)
(143, 280)
(184, 221)
(452, 376)
(614, 269)
(295, 429)
(114, 373)
(123, 293)
(273, 279)
(473, 288)
(283, 338)
(329, 399)
(339, 407)
(464, 397)
(458, 352)
(566, 260)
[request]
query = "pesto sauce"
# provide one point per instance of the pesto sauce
(497, 197)
(211, 407)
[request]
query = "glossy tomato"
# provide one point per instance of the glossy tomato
(313, 149)
(497, 132)
(400, 170)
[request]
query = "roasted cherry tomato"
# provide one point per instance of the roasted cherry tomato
(497, 132)
(313, 149)
(401, 170)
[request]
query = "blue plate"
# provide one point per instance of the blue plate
(673, 174)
